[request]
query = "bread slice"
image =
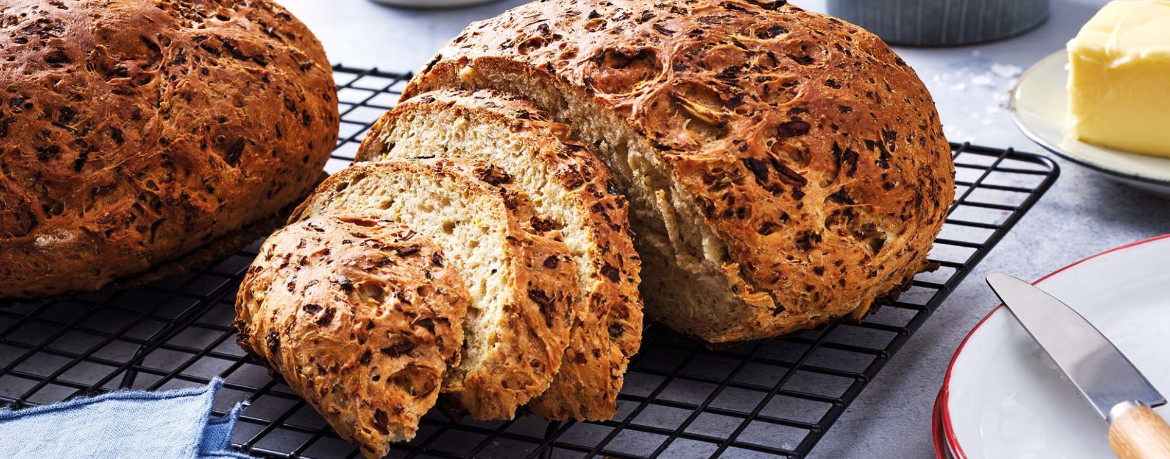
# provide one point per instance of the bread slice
(783, 167)
(571, 188)
(521, 280)
(363, 317)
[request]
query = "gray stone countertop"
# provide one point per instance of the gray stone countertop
(1081, 215)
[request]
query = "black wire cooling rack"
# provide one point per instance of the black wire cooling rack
(775, 397)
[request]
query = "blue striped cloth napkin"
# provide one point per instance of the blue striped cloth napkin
(122, 424)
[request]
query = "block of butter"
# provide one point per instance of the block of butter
(1119, 83)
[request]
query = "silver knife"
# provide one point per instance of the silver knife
(1100, 372)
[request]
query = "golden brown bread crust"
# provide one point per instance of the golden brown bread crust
(213, 251)
(361, 316)
(134, 132)
(812, 152)
(607, 328)
(206, 255)
(539, 276)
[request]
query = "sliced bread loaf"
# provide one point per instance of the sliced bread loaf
(571, 188)
(521, 280)
(783, 167)
(361, 316)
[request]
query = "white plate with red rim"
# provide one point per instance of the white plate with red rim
(942, 450)
(1003, 397)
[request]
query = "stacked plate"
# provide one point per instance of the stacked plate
(1003, 397)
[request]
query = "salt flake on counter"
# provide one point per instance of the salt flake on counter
(954, 134)
(1006, 70)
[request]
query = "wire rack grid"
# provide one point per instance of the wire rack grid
(765, 398)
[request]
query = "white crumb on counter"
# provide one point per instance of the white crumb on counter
(1006, 70)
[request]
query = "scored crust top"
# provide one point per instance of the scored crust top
(134, 132)
(812, 150)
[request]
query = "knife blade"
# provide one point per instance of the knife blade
(1102, 374)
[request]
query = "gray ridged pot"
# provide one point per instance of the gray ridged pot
(942, 22)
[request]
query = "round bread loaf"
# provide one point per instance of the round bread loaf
(783, 167)
(361, 316)
(138, 132)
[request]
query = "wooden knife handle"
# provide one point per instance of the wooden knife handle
(1139, 433)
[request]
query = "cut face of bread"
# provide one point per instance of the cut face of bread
(521, 280)
(571, 188)
(361, 316)
(783, 167)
